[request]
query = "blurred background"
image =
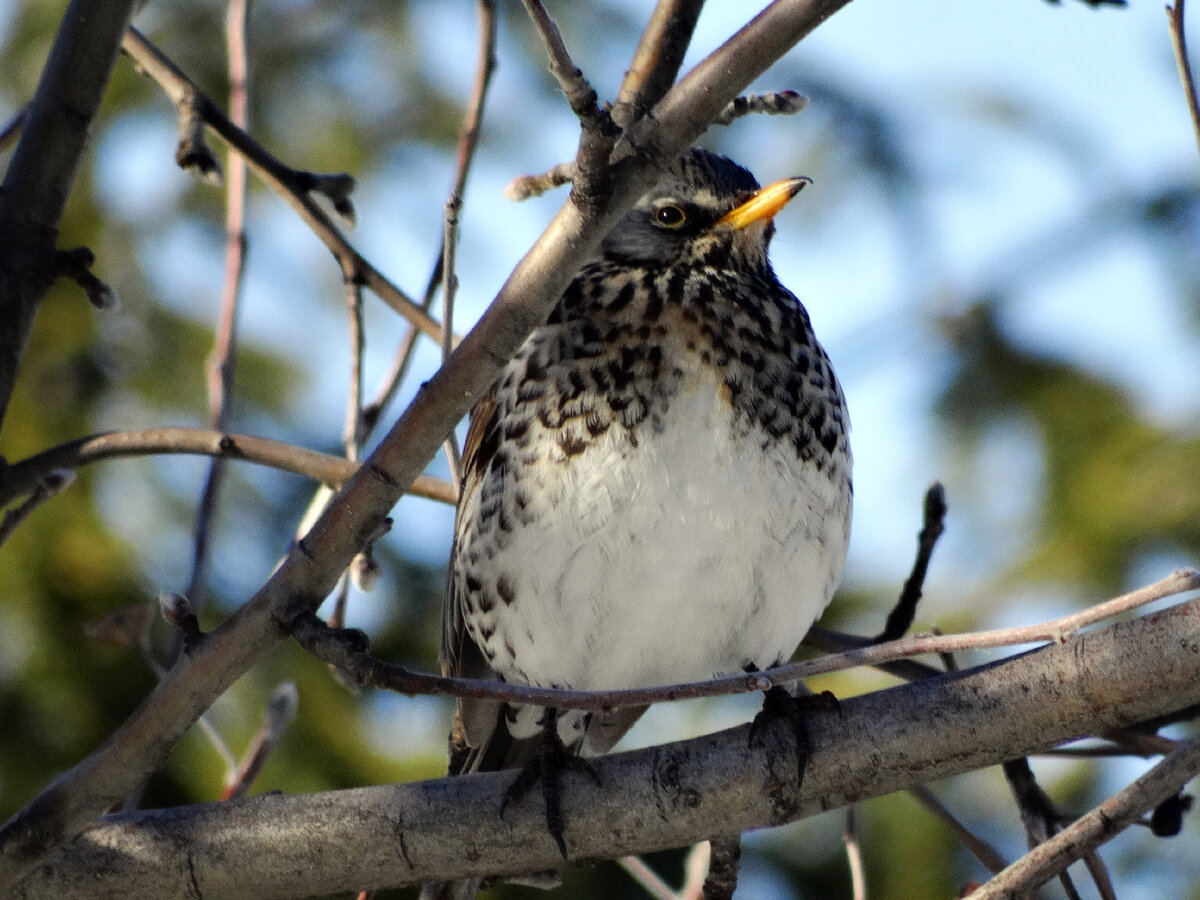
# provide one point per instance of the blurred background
(1000, 251)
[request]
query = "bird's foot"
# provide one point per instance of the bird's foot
(778, 704)
(547, 765)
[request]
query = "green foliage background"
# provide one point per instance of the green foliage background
(378, 89)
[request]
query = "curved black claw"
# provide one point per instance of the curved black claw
(547, 765)
(779, 704)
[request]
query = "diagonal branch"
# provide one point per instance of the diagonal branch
(592, 182)
(1100, 825)
(657, 59)
(293, 186)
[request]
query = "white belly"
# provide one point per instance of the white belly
(675, 560)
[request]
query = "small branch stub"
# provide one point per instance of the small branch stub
(77, 264)
(192, 153)
(336, 186)
(178, 611)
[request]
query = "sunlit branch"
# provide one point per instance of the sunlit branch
(656, 61)
(348, 650)
(1179, 45)
(875, 744)
(21, 477)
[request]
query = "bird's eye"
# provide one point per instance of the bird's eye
(669, 216)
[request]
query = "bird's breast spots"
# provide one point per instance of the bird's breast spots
(505, 590)
(570, 445)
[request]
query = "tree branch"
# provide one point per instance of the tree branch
(281, 846)
(25, 476)
(348, 651)
(43, 167)
(1175, 27)
(293, 186)
(657, 59)
(1100, 825)
(222, 361)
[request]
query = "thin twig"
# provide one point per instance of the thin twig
(292, 185)
(280, 711)
(1100, 877)
(352, 431)
(50, 485)
(646, 878)
(19, 478)
(981, 849)
(222, 363)
(854, 857)
(449, 290)
(348, 650)
(352, 435)
(901, 617)
(1098, 826)
(592, 182)
(468, 142)
(579, 93)
(1179, 44)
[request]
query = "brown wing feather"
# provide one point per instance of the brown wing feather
(477, 454)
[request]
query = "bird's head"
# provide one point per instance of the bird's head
(706, 210)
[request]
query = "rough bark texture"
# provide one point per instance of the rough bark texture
(669, 796)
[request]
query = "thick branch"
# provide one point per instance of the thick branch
(701, 97)
(657, 59)
(43, 167)
(669, 796)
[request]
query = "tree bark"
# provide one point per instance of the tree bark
(661, 797)
(45, 163)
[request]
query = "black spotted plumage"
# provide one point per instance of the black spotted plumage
(657, 489)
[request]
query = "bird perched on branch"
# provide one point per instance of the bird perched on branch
(657, 487)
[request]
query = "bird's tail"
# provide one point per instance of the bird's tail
(498, 752)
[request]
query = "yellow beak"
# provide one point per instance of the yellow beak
(765, 203)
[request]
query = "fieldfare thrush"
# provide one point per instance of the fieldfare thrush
(657, 488)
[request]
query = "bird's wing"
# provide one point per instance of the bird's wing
(477, 454)
(475, 740)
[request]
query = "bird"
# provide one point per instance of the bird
(656, 489)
